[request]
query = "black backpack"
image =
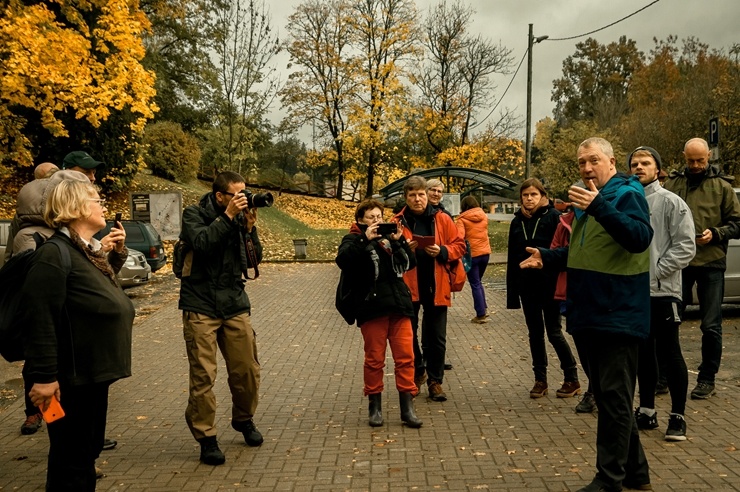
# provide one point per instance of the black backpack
(345, 301)
(182, 253)
(12, 275)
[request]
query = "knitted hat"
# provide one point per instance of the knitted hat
(652, 151)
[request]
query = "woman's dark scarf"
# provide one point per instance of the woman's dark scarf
(528, 214)
(98, 258)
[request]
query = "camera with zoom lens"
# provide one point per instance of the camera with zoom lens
(258, 200)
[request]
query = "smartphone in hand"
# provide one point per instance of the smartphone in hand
(53, 412)
(385, 228)
(117, 220)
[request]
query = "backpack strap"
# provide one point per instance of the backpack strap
(64, 252)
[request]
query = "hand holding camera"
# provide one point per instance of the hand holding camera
(391, 229)
(246, 200)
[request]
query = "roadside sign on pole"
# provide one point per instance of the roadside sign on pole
(713, 132)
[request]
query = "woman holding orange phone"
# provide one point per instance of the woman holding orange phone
(78, 340)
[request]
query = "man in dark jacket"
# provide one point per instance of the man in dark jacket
(220, 231)
(716, 212)
(608, 304)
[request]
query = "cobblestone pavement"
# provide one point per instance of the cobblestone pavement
(489, 435)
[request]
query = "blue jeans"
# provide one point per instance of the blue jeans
(478, 268)
(710, 288)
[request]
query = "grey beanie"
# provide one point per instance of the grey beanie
(652, 151)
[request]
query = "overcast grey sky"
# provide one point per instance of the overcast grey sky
(714, 22)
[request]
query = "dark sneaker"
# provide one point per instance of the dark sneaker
(636, 486)
(597, 486)
(702, 391)
(676, 430)
(538, 390)
(109, 444)
(435, 392)
(661, 388)
(210, 454)
(252, 436)
(569, 389)
(644, 421)
(587, 403)
(31, 425)
(448, 366)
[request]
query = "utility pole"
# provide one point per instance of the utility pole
(531, 40)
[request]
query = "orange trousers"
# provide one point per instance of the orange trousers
(396, 330)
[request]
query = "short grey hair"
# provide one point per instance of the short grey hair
(431, 183)
(599, 142)
(414, 183)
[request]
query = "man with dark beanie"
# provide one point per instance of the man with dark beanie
(672, 248)
(716, 212)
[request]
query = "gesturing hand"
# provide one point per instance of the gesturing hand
(534, 261)
(581, 198)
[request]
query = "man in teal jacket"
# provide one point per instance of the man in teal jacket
(608, 304)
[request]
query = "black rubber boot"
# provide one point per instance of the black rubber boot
(408, 414)
(375, 410)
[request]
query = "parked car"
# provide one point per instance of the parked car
(732, 274)
(135, 270)
(561, 206)
(143, 237)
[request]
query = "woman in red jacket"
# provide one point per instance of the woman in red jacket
(472, 224)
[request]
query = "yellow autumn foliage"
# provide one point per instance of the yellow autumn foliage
(56, 64)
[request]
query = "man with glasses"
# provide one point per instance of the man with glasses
(222, 237)
(435, 193)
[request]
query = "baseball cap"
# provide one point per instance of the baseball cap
(81, 159)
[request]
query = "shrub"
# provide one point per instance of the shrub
(171, 153)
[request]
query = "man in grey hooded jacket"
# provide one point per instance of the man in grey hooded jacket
(672, 248)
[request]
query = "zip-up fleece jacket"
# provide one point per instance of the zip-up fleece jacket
(452, 248)
(673, 245)
(473, 226)
(608, 262)
(215, 286)
(534, 232)
(376, 275)
(714, 206)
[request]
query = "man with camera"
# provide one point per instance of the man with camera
(221, 234)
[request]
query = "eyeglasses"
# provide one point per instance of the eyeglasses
(229, 194)
(101, 201)
(436, 192)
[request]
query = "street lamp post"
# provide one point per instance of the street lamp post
(528, 143)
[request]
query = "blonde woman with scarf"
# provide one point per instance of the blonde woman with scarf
(533, 290)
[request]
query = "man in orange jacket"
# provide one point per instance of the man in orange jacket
(434, 238)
